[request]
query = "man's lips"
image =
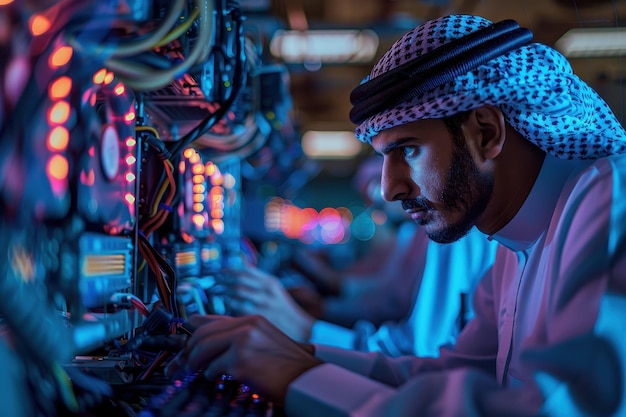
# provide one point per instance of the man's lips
(417, 209)
(417, 214)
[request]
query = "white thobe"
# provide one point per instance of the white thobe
(548, 336)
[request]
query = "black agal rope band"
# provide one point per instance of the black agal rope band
(440, 66)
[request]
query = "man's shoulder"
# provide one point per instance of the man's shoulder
(607, 168)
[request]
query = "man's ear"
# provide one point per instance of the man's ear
(485, 130)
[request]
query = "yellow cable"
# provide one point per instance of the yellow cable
(147, 128)
(144, 78)
(134, 48)
(159, 196)
(179, 30)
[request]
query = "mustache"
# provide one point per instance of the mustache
(419, 203)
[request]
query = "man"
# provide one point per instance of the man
(537, 164)
(445, 277)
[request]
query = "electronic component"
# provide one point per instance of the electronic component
(121, 190)
(209, 88)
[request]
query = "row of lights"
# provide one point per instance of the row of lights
(329, 226)
(208, 189)
(60, 118)
(113, 156)
(59, 121)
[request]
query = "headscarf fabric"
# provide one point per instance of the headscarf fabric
(534, 86)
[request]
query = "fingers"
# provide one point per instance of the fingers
(249, 349)
(245, 293)
(215, 337)
(201, 340)
(241, 307)
(251, 280)
(252, 291)
(208, 350)
(250, 271)
(248, 278)
(177, 364)
(197, 320)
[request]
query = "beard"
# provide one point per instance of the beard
(466, 190)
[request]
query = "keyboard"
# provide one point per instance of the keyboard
(196, 396)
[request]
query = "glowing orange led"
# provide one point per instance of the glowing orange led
(119, 89)
(181, 167)
(61, 56)
(58, 167)
(58, 138)
(198, 198)
(198, 188)
(198, 207)
(130, 177)
(59, 112)
(218, 226)
(188, 152)
(198, 220)
(98, 77)
(198, 179)
(130, 142)
(130, 116)
(195, 158)
(60, 88)
(39, 24)
(108, 78)
(217, 179)
(187, 237)
(209, 169)
(217, 193)
(5, 2)
(130, 159)
(130, 199)
(197, 169)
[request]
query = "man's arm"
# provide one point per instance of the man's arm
(328, 390)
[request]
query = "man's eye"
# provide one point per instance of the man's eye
(410, 151)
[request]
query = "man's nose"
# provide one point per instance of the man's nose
(395, 181)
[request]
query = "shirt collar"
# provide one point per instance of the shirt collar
(533, 218)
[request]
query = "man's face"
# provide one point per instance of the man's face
(435, 177)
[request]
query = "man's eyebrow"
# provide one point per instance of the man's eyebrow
(394, 145)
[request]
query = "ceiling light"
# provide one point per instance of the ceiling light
(327, 46)
(330, 144)
(592, 42)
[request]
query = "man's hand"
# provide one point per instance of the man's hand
(250, 349)
(252, 291)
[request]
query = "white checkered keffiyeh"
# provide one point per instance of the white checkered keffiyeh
(534, 86)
